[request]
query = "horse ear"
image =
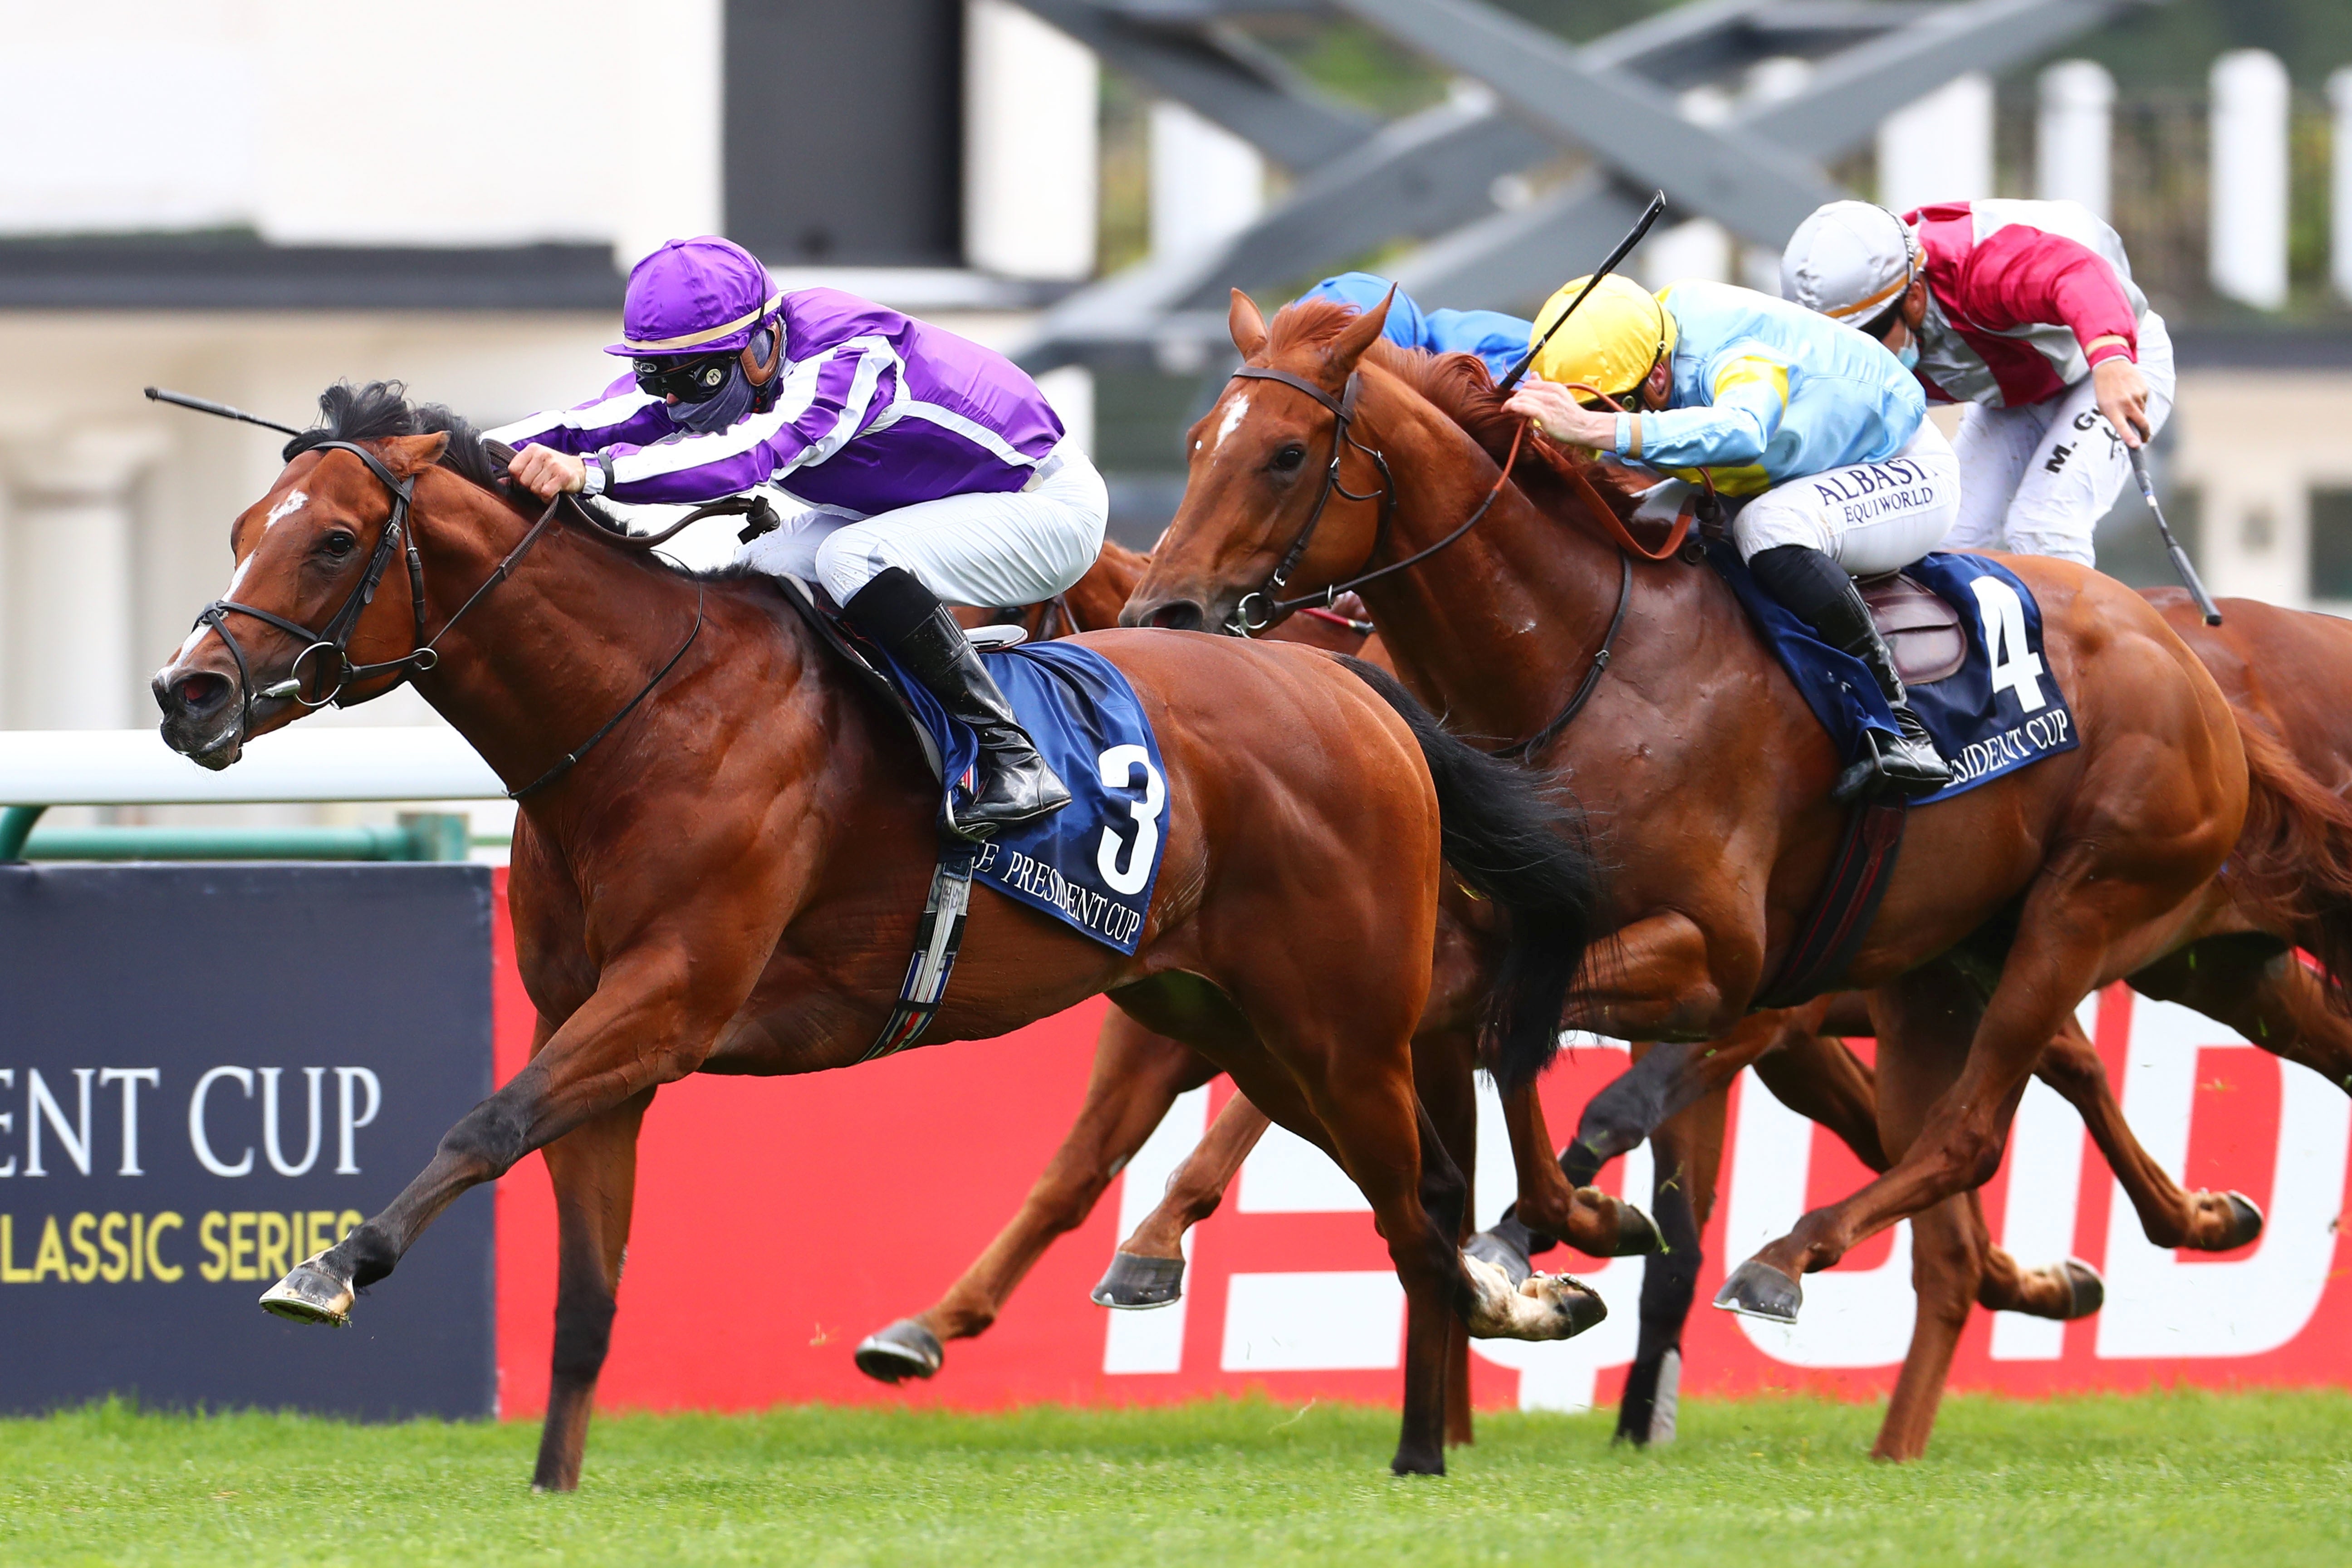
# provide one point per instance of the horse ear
(1248, 325)
(1357, 335)
(406, 455)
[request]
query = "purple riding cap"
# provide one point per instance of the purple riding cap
(873, 410)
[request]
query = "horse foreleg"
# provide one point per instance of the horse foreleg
(649, 1023)
(2203, 1220)
(1136, 1077)
(1817, 1076)
(1196, 1187)
(594, 1168)
(1686, 1153)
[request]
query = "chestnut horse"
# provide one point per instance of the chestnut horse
(1138, 1075)
(1708, 772)
(732, 880)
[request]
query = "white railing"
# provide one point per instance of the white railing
(133, 767)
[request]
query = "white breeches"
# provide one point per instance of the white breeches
(998, 549)
(2036, 480)
(1868, 517)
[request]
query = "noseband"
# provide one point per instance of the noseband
(336, 635)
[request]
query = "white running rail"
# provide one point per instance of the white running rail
(133, 767)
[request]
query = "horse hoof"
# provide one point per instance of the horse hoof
(904, 1350)
(1136, 1284)
(2246, 1221)
(1488, 1247)
(1541, 1306)
(1759, 1291)
(1638, 1235)
(311, 1295)
(2085, 1292)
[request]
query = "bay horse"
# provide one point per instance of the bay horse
(1708, 774)
(731, 876)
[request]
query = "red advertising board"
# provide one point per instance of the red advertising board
(825, 1206)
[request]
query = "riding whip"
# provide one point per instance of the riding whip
(221, 410)
(2180, 563)
(1624, 246)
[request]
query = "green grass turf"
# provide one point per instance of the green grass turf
(2151, 1479)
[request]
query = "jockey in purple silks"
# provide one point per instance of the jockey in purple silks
(926, 470)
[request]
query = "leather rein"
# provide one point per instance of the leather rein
(399, 531)
(1246, 622)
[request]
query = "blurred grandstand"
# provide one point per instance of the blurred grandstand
(249, 200)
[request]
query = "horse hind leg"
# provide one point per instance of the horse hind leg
(1147, 1270)
(1680, 1161)
(2203, 1221)
(593, 1169)
(1136, 1077)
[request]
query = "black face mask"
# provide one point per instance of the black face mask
(694, 380)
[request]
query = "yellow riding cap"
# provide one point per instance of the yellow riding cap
(1612, 341)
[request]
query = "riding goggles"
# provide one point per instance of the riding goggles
(697, 379)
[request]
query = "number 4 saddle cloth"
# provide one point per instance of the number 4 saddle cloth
(1973, 664)
(1091, 865)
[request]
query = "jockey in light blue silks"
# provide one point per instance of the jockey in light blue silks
(1822, 431)
(1494, 337)
(928, 470)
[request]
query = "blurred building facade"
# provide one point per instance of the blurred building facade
(249, 199)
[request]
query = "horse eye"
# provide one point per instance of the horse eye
(1287, 459)
(337, 543)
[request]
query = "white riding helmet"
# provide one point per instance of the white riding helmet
(1849, 260)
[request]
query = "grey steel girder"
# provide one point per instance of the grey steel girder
(1752, 187)
(1518, 258)
(1223, 76)
(1851, 92)
(1431, 174)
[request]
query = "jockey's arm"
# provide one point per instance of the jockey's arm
(2021, 276)
(549, 447)
(1750, 398)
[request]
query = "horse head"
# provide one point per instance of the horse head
(1274, 488)
(281, 639)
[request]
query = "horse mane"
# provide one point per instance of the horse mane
(1558, 480)
(379, 410)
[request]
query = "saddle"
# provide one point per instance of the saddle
(1921, 628)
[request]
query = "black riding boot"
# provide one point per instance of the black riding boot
(1817, 588)
(1015, 784)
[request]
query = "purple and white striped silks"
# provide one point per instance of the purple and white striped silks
(878, 411)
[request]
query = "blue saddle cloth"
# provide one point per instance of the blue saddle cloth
(1093, 864)
(1999, 711)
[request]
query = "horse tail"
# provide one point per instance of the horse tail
(1510, 839)
(2294, 858)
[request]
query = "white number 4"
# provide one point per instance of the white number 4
(2015, 666)
(1117, 767)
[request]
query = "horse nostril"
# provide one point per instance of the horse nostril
(1179, 614)
(194, 694)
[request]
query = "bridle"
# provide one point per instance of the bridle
(399, 530)
(1245, 621)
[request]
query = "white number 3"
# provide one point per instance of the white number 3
(2015, 665)
(1117, 769)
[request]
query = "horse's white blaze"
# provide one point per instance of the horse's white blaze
(1236, 412)
(295, 502)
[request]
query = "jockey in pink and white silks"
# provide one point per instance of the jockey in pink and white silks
(2025, 311)
(927, 469)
